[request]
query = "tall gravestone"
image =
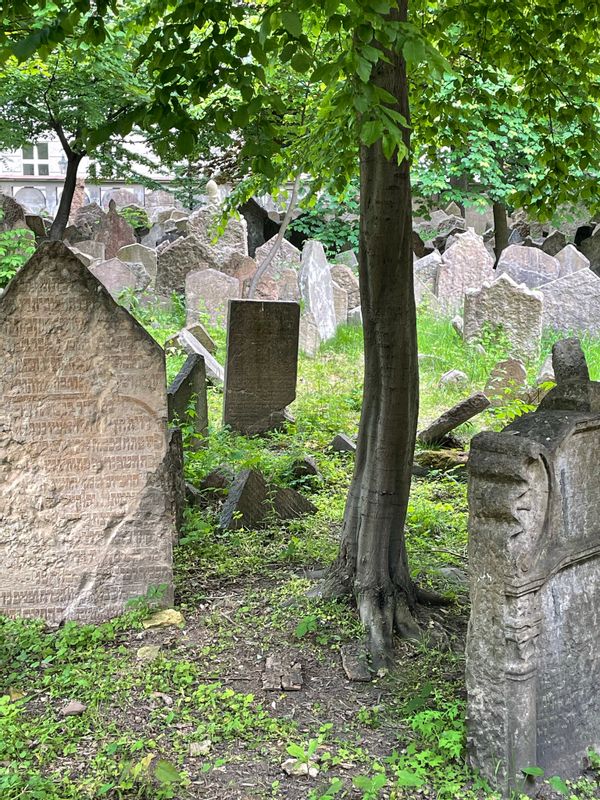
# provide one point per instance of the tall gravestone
(533, 668)
(86, 509)
(262, 364)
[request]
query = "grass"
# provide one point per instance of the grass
(179, 711)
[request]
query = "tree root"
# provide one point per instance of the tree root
(428, 598)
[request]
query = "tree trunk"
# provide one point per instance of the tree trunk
(61, 219)
(372, 563)
(500, 229)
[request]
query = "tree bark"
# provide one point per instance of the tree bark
(61, 219)
(372, 563)
(500, 229)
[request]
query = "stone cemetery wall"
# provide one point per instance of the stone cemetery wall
(262, 364)
(86, 512)
(533, 665)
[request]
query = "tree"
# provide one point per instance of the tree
(364, 55)
(75, 93)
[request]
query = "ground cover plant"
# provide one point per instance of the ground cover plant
(178, 710)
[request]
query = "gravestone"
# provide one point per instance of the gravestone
(572, 303)
(506, 381)
(465, 265)
(203, 224)
(528, 265)
(12, 215)
(190, 384)
(426, 270)
(309, 336)
(215, 374)
(116, 276)
(554, 243)
(571, 260)
(340, 304)
(347, 258)
(287, 256)
(97, 250)
(590, 248)
(262, 364)
(86, 516)
(316, 287)
(114, 231)
(503, 306)
(207, 292)
(139, 254)
(345, 277)
(186, 254)
(534, 553)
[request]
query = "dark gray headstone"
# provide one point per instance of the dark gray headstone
(262, 364)
(190, 385)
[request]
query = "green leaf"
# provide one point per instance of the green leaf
(165, 772)
(371, 132)
(301, 62)
(292, 22)
(186, 141)
(405, 777)
(533, 772)
(558, 785)
(295, 751)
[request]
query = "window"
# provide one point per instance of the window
(28, 169)
(35, 159)
(28, 152)
(43, 169)
(42, 153)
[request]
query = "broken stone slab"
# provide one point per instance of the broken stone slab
(282, 673)
(441, 460)
(454, 377)
(214, 371)
(451, 419)
(355, 662)
(190, 385)
(569, 362)
(305, 467)
(199, 332)
(84, 448)
(73, 709)
(514, 311)
(574, 390)
(290, 504)
(176, 479)
(262, 364)
(342, 444)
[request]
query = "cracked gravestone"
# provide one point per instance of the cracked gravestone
(87, 517)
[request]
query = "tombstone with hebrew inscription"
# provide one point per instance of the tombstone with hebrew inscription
(262, 364)
(86, 508)
(533, 649)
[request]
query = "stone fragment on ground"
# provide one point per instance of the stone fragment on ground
(293, 767)
(342, 444)
(164, 618)
(454, 377)
(148, 653)
(455, 416)
(305, 467)
(355, 662)
(73, 709)
(215, 373)
(441, 460)
(282, 673)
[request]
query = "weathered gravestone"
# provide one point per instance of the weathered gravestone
(186, 254)
(190, 385)
(262, 364)
(572, 303)
(139, 254)
(571, 260)
(503, 306)
(533, 669)
(207, 292)
(116, 276)
(316, 287)
(114, 231)
(86, 508)
(465, 265)
(528, 265)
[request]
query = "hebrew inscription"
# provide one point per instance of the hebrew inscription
(86, 511)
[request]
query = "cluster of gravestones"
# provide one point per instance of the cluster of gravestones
(178, 253)
(91, 470)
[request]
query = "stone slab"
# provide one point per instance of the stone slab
(86, 512)
(316, 287)
(262, 364)
(528, 265)
(207, 292)
(572, 303)
(466, 264)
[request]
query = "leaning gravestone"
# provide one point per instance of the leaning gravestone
(190, 385)
(116, 276)
(139, 254)
(316, 287)
(262, 364)
(534, 553)
(502, 305)
(86, 516)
